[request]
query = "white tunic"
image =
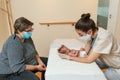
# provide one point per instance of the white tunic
(106, 45)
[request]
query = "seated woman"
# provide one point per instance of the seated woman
(19, 58)
(71, 52)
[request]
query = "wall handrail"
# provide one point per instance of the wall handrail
(58, 23)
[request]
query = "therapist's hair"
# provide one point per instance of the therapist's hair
(85, 23)
(21, 24)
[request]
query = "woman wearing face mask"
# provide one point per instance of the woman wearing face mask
(101, 47)
(19, 58)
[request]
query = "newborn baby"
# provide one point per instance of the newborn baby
(71, 52)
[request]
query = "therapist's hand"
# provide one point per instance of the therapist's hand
(82, 49)
(64, 56)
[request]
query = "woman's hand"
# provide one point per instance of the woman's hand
(41, 67)
(82, 49)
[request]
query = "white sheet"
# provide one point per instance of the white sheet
(61, 69)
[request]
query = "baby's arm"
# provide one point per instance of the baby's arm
(75, 52)
(86, 48)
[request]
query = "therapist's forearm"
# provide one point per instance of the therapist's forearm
(92, 56)
(89, 59)
(80, 59)
(87, 49)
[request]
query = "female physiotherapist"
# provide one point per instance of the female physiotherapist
(19, 58)
(101, 45)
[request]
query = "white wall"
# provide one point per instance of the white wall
(52, 10)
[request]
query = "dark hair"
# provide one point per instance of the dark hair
(21, 24)
(59, 50)
(85, 23)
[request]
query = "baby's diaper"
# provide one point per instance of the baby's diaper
(82, 53)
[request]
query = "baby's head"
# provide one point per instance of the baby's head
(63, 49)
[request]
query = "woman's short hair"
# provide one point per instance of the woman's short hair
(85, 23)
(21, 24)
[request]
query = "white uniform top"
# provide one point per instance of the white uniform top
(106, 45)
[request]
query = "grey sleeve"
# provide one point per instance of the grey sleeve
(15, 57)
(31, 41)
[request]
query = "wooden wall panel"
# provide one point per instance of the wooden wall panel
(4, 27)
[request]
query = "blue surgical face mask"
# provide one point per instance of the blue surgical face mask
(27, 35)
